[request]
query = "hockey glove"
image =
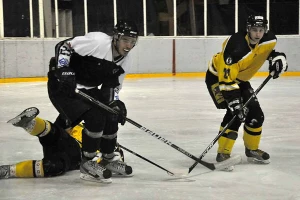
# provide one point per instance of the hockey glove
(67, 80)
(277, 64)
(120, 107)
(236, 108)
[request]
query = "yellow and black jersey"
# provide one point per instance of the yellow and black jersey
(76, 133)
(239, 61)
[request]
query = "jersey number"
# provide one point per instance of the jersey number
(226, 73)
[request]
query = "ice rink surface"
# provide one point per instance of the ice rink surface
(181, 111)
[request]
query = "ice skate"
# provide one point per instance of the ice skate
(257, 156)
(4, 171)
(94, 170)
(222, 157)
(23, 119)
(117, 166)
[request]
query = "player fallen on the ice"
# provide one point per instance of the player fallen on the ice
(61, 150)
(227, 79)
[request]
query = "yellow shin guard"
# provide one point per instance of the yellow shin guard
(226, 142)
(252, 137)
(27, 169)
(41, 127)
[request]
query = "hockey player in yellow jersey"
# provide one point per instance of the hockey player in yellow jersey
(61, 149)
(227, 80)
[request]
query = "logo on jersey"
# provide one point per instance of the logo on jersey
(115, 71)
(63, 62)
(228, 61)
(68, 73)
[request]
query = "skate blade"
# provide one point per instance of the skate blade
(119, 175)
(229, 163)
(256, 161)
(228, 169)
(87, 177)
(29, 112)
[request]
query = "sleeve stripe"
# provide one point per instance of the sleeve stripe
(224, 87)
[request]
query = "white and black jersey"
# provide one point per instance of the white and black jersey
(90, 47)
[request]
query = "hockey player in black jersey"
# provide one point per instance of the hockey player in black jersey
(227, 79)
(95, 64)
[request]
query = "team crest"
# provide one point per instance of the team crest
(63, 62)
(228, 61)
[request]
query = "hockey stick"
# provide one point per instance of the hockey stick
(230, 123)
(136, 154)
(211, 166)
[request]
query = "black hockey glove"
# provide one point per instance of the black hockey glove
(120, 107)
(236, 107)
(277, 64)
(67, 80)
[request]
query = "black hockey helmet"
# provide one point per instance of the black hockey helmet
(257, 21)
(126, 28)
